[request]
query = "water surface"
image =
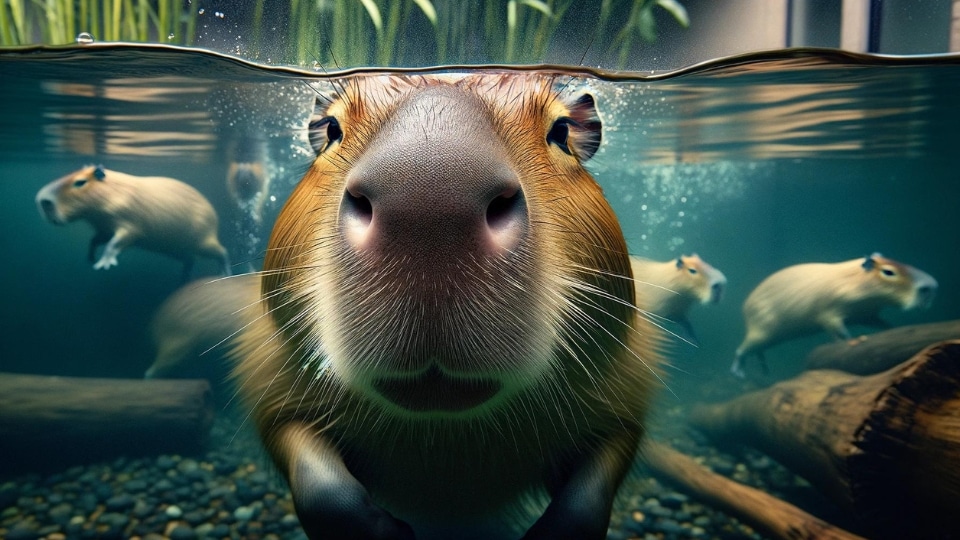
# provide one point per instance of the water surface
(754, 163)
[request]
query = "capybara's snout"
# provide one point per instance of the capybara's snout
(48, 209)
(925, 293)
(716, 291)
(435, 184)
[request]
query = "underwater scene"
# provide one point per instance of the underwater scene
(254, 302)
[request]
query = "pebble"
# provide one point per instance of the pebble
(673, 500)
(187, 465)
(142, 509)
(204, 529)
(61, 513)
(228, 493)
(135, 486)
(173, 511)
(243, 513)
(163, 485)
(182, 532)
(114, 520)
(119, 503)
(9, 512)
(23, 530)
(220, 530)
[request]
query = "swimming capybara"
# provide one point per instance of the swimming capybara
(193, 327)
(449, 344)
(154, 213)
(669, 289)
(807, 298)
(248, 182)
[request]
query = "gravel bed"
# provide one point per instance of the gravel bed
(233, 492)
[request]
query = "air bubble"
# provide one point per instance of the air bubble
(85, 38)
(200, 11)
(219, 14)
(171, 36)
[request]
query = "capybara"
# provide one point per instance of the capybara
(669, 289)
(154, 213)
(450, 346)
(193, 327)
(807, 298)
(248, 182)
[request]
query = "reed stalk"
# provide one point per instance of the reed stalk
(342, 33)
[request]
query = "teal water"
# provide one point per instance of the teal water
(754, 163)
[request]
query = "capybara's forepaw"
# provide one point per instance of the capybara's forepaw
(105, 263)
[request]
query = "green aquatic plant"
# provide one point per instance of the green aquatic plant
(341, 33)
(640, 23)
(59, 22)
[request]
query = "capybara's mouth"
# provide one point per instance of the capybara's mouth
(435, 391)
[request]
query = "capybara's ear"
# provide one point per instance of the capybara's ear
(585, 127)
(679, 262)
(99, 173)
(869, 262)
(323, 130)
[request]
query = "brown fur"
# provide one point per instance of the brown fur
(583, 364)
(155, 213)
(807, 298)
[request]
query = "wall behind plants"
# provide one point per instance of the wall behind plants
(343, 33)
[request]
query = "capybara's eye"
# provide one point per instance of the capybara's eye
(692, 270)
(559, 133)
(324, 132)
(889, 272)
(79, 183)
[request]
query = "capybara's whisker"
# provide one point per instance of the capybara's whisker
(447, 301)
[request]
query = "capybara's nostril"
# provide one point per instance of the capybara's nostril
(357, 206)
(506, 217)
(504, 208)
(356, 214)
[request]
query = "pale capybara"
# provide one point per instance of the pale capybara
(193, 327)
(669, 289)
(248, 181)
(154, 213)
(807, 298)
(450, 346)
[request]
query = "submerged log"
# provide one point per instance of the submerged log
(884, 447)
(881, 351)
(48, 421)
(764, 512)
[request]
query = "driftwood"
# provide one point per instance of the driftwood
(881, 351)
(764, 512)
(884, 447)
(54, 421)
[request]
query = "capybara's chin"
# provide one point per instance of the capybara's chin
(478, 329)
